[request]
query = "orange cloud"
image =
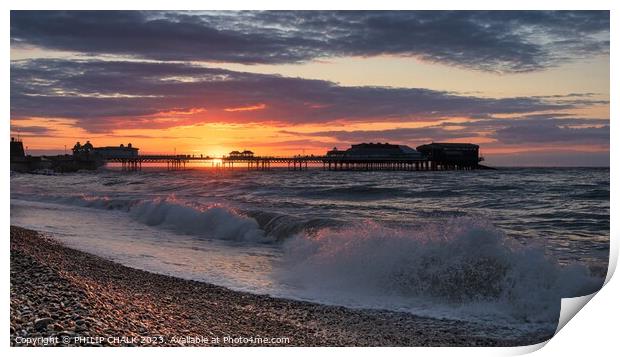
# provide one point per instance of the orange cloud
(189, 111)
(246, 109)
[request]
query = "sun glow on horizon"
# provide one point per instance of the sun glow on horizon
(209, 103)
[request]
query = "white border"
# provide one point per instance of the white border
(592, 331)
(315, 5)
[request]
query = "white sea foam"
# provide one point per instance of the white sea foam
(462, 262)
(322, 249)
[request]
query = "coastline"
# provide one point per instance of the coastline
(63, 294)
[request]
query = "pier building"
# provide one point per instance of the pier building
(117, 152)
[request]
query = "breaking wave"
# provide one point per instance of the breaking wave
(463, 261)
(215, 221)
(283, 226)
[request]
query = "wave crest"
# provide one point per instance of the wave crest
(461, 261)
(214, 221)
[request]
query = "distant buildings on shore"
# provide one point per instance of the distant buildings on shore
(82, 159)
(17, 149)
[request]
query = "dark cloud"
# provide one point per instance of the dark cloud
(565, 158)
(291, 145)
(500, 41)
(551, 133)
(397, 135)
(538, 120)
(31, 130)
(104, 96)
(521, 131)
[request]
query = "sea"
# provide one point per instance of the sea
(497, 247)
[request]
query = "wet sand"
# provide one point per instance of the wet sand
(61, 296)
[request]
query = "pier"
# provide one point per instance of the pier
(295, 163)
(359, 157)
(173, 162)
(328, 163)
(369, 157)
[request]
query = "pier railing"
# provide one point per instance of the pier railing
(173, 162)
(351, 163)
(329, 163)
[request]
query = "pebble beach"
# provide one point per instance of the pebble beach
(65, 297)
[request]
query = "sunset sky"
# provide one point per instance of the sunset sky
(531, 88)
